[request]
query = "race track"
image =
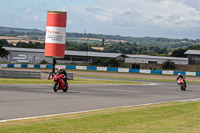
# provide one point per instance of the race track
(19, 101)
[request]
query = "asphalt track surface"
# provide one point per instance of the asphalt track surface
(19, 101)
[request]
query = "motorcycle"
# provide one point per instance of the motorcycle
(181, 83)
(59, 83)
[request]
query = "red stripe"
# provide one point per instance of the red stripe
(56, 20)
(54, 50)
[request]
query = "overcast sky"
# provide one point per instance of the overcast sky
(136, 18)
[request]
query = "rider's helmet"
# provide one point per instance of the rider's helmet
(179, 74)
(60, 68)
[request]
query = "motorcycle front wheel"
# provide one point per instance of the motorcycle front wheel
(182, 87)
(55, 87)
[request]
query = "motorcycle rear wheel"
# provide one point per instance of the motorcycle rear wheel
(65, 89)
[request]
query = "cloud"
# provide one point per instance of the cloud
(35, 18)
(29, 9)
(168, 13)
(136, 16)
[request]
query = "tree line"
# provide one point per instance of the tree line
(141, 41)
(126, 48)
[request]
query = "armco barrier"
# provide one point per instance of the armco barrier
(182, 73)
(134, 70)
(112, 69)
(102, 69)
(19, 74)
(156, 71)
(91, 68)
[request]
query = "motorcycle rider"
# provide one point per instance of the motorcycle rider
(181, 76)
(62, 71)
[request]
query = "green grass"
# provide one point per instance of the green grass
(75, 81)
(147, 79)
(173, 117)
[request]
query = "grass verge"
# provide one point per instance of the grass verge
(176, 117)
(75, 81)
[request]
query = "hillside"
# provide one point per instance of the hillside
(97, 38)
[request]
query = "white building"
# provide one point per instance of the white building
(154, 59)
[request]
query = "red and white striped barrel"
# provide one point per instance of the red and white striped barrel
(55, 34)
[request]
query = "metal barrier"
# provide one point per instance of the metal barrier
(19, 74)
(28, 74)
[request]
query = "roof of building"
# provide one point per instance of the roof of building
(24, 49)
(67, 52)
(192, 52)
(157, 57)
(96, 54)
(93, 54)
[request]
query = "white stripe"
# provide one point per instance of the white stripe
(191, 73)
(43, 66)
(4, 65)
(81, 67)
(17, 65)
(102, 68)
(64, 67)
(168, 72)
(144, 71)
(30, 66)
(123, 70)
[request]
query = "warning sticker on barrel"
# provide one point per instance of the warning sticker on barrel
(55, 35)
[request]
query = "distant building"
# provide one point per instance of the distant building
(137, 60)
(29, 55)
(25, 55)
(193, 57)
(154, 59)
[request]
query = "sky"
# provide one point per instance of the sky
(136, 18)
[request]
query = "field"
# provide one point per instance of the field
(26, 39)
(14, 40)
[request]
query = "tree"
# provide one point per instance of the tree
(3, 52)
(97, 61)
(169, 65)
(197, 47)
(179, 53)
(43, 62)
(111, 62)
(4, 43)
(103, 41)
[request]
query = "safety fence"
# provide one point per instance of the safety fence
(20, 74)
(111, 69)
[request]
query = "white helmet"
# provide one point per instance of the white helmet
(60, 68)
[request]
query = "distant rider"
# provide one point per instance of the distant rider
(62, 71)
(181, 76)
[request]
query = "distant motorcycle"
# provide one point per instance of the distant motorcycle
(181, 83)
(59, 83)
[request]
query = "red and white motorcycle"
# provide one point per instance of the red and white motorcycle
(59, 83)
(181, 83)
